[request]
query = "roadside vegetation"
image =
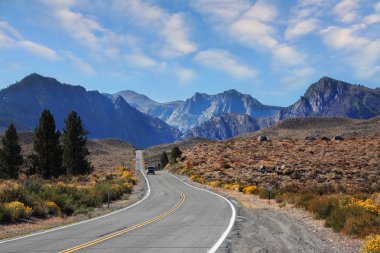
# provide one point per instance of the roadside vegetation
(352, 209)
(56, 179)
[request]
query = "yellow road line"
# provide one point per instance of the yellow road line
(126, 230)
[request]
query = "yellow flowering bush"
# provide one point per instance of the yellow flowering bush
(371, 244)
(52, 207)
(234, 186)
(17, 210)
(368, 204)
(215, 184)
(250, 189)
(198, 179)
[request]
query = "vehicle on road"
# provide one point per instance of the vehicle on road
(150, 170)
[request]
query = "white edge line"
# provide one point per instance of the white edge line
(81, 222)
(214, 248)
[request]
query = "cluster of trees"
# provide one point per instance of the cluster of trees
(174, 155)
(50, 158)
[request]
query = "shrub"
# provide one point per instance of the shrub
(234, 186)
(250, 189)
(215, 184)
(17, 210)
(371, 244)
(362, 224)
(322, 206)
(52, 208)
(303, 199)
(264, 194)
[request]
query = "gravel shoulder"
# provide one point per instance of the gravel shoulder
(33, 225)
(265, 227)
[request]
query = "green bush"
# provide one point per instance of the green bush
(322, 206)
(264, 193)
(303, 199)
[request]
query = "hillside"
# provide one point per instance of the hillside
(300, 128)
(105, 154)
(330, 97)
(24, 101)
(288, 161)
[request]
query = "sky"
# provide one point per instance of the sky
(170, 49)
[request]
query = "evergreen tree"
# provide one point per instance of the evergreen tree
(47, 160)
(164, 159)
(10, 154)
(75, 153)
(176, 153)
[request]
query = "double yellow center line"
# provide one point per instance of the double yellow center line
(126, 230)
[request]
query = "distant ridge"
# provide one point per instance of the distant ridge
(24, 101)
(330, 97)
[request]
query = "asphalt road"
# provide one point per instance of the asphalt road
(173, 217)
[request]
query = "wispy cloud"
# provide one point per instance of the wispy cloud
(224, 61)
(171, 29)
(81, 64)
(39, 50)
(298, 28)
(346, 10)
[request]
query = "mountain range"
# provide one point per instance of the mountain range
(104, 117)
(201, 107)
(143, 122)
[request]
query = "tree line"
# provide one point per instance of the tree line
(50, 158)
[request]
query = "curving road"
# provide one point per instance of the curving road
(172, 217)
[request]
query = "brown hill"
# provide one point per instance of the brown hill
(288, 161)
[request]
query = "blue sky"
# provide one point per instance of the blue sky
(169, 50)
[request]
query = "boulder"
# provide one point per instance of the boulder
(324, 138)
(338, 138)
(310, 138)
(262, 138)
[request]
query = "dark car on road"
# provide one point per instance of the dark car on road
(150, 170)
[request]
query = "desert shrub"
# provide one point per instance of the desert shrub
(362, 224)
(215, 184)
(371, 244)
(198, 179)
(252, 189)
(264, 193)
(17, 210)
(234, 186)
(322, 206)
(52, 208)
(4, 214)
(303, 199)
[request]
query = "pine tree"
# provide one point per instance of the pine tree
(10, 154)
(47, 160)
(176, 153)
(164, 159)
(75, 153)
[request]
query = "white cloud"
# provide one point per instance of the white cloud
(86, 30)
(286, 55)
(39, 50)
(7, 28)
(375, 17)
(223, 60)
(347, 10)
(184, 75)
(81, 64)
(301, 27)
(175, 33)
(220, 10)
(140, 60)
(359, 52)
(171, 28)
